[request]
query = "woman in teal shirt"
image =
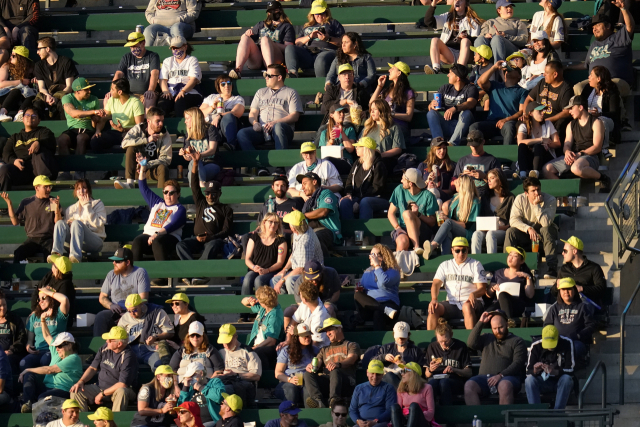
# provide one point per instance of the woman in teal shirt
(267, 327)
(56, 306)
(459, 216)
(339, 132)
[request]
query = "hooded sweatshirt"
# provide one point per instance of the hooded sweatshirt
(216, 220)
(507, 357)
(91, 214)
(17, 147)
(573, 320)
(169, 12)
(367, 183)
(209, 398)
(63, 285)
(515, 30)
(157, 153)
(589, 275)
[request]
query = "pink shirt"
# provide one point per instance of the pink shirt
(424, 398)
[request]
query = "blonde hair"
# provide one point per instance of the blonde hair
(411, 383)
(274, 217)
(311, 20)
(267, 297)
(198, 128)
(467, 193)
(388, 260)
(443, 327)
(367, 158)
(385, 119)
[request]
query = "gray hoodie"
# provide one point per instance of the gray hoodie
(157, 153)
(169, 12)
(514, 29)
(507, 357)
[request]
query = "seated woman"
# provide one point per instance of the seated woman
(56, 306)
(538, 141)
(197, 139)
(497, 201)
(459, 218)
(518, 272)
(604, 102)
(543, 54)
(317, 43)
(56, 379)
(206, 392)
(437, 169)
(550, 21)
(572, 317)
(415, 407)
(13, 334)
(378, 299)
(156, 400)
(449, 364)
(385, 133)
(183, 317)
(292, 363)
(352, 52)
(366, 183)
(341, 133)
(179, 75)
(268, 326)
(163, 229)
(311, 163)
(273, 35)
(460, 25)
(173, 19)
(82, 226)
(59, 279)
(15, 76)
(399, 95)
(196, 348)
(224, 124)
(400, 352)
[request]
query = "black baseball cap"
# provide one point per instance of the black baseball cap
(212, 187)
(460, 70)
(280, 177)
(475, 138)
(311, 175)
(122, 254)
(273, 5)
(438, 141)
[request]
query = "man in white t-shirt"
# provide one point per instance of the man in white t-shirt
(70, 415)
(311, 163)
(312, 313)
(465, 282)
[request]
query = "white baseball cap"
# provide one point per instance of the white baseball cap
(539, 35)
(303, 330)
(62, 338)
(196, 328)
(192, 368)
(401, 330)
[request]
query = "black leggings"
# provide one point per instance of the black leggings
(14, 102)
(414, 419)
(163, 247)
(532, 158)
(370, 308)
(512, 306)
(178, 107)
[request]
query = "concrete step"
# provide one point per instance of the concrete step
(592, 212)
(589, 223)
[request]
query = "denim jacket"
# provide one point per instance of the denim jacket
(364, 70)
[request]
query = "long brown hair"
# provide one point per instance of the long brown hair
(471, 15)
(398, 90)
(295, 349)
(188, 348)
(503, 186)
(77, 185)
(53, 304)
(283, 18)
(606, 86)
(20, 69)
(311, 20)
(385, 119)
(388, 260)
(549, 27)
(355, 38)
(432, 159)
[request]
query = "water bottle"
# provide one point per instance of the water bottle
(493, 389)
(475, 421)
(478, 422)
(271, 205)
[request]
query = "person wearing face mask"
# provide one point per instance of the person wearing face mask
(176, 18)
(205, 392)
(401, 351)
(180, 76)
(141, 67)
(288, 416)
(156, 400)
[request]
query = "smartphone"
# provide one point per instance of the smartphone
(470, 168)
(322, 30)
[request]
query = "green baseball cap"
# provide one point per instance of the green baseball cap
(80, 83)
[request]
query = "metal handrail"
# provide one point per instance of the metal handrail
(599, 365)
(623, 318)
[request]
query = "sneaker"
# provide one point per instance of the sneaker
(534, 174)
(19, 117)
(605, 183)
(5, 118)
(551, 274)
(431, 70)
(74, 260)
(235, 74)
(279, 171)
(419, 251)
(427, 249)
(606, 153)
(26, 408)
(121, 185)
(199, 281)
(390, 312)
(263, 172)
(312, 403)
(186, 281)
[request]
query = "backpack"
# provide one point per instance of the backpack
(410, 315)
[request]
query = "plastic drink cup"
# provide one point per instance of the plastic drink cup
(535, 246)
(335, 133)
(440, 214)
(355, 111)
(300, 377)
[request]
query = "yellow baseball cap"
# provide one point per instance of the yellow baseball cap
(42, 180)
(516, 55)
(401, 66)
(575, 242)
(308, 146)
(22, 51)
(376, 367)
(62, 263)
(179, 297)
(102, 414)
(233, 401)
(366, 142)
(566, 283)
(318, 6)
(518, 249)
(294, 218)
(550, 336)
(413, 366)
(134, 39)
(116, 333)
(70, 403)
(344, 67)
(164, 369)
(483, 50)
(460, 241)
(331, 322)
(134, 300)
(226, 333)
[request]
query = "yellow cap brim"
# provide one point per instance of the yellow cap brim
(547, 343)
(86, 87)
(133, 43)
(223, 340)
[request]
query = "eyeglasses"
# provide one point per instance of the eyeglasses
(269, 76)
(340, 414)
(31, 116)
(169, 193)
(464, 251)
(133, 310)
(175, 304)
(223, 84)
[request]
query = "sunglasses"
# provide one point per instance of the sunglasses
(43, 298)
(62, 345)
(118, 262)
(40, 48)
(183, 412)
(169, 193)
(340, 414)
(223, 84)
(269, 76)
(175, 304)
(464, 251)
(195, 336)
(133, 310)
(564, 251)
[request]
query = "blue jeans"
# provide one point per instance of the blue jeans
(291, 392)
(187, 247)
(451, 130)
(447, 231)
(227, 130)
(288, 287)
(252, 281)
(79, 237)
(35, 360)
(206, 171)
(146, 356)
(33, 388)
(500, 46)
(489, 130)
(281, 133)
(368, 206)
(580, 349)
(493, 238)
(298, 57)
(177, 29)
(535, 385)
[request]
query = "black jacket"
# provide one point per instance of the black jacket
(362, 183)
(574, 321)
(561, 356)
(413, 353)
(64, 286)
(215, 220)
(18, 332)
(17, 147)
(589, 275)
(332, 96)
(610, 108)
(18, 13)
(503, 211)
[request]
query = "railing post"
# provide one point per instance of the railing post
(621, 382)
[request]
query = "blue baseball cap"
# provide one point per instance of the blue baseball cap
(288, 407)
(503, 3)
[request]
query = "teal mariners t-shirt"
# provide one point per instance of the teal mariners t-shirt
(71, 367)
(55, 325)
(332, 222)
(426, 201)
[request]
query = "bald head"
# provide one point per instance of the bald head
(499, 327)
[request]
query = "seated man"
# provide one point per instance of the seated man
(322, 211)
(147, 325)
(337, 362)
(152, 141)
(345, 92)
(214, 221)
(415, 208)
(28, 153)
(141, 67)
(242, 367)
(550, 368)
(458, 100)
(20, 21)
(464, 281)
(476, 164)
(39, 214)
(371, 401)
(123, 280)
(582, 145)
(323, 168)
(503, 360)
(230, 409)
(117, 369)
(312, 313)
(288, 416)
(531, 223)
(506, 103)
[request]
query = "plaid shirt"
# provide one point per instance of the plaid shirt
(305, 247)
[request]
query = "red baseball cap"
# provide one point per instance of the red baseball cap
(194, 409)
